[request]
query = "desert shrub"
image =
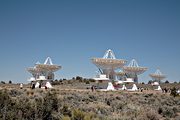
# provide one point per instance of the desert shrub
(148, 95)
(87, 117)
(66, 118)
(84, 105)
(28, 93)
(55, 82)
(175, 109)
(53, 90)
(2, 82)
(93, 97)
(8, 106)
(15, 93)
(69, 82)
(160, 110)
(177, 118)
(91, 80)
(27, 109)
(86, 100)
(5, 102)
(56, 115)
(52, 99)
(152, 115)
(78, 115)
(118, 98)
(166, 82)
(108, 101)
(174, 92)
(102, 110)
(90, 116)
(87, 82)
(50, 104)
(39, 107)
(167, 111)
(118, 106)
(66, 111)
(32, 92)
(10, 82)
(79, 78)
(150, 81)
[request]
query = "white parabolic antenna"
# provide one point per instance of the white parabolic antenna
(46, 70)
(133, 70)
(157, 75)
(109, 63)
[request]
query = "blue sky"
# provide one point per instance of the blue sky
(72, 32)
